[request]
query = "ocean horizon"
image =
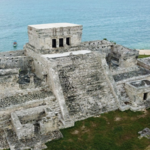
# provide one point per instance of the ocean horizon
(124, 22)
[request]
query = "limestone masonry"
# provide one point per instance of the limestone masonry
(57, 80)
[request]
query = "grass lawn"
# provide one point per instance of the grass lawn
(111, 131)
(143, 56)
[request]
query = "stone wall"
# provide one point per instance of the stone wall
(24, 99)
(102, 46)
(127, 57)
(138, 91)
(144, 62)
(12, 53)
(42, 38)
(21, 62)
(8, 80)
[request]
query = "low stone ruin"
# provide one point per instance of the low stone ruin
(57, 80)
(144, 133)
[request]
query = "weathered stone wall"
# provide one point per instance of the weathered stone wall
(122, 92)
(144, 62)
(127, 57)
(102, 46)
(42, 38)
(8, 80)
(25, 131)
(129, 95)
(136, 91)
(24, 99)
(21, 62)
(39, 64)
(12, 53)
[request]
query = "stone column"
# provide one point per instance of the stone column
(64, 41)
(31, 85)
(57, 43)
(70, 40)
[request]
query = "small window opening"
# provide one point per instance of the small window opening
(36, 128)
(126, 103)
(45, 77)
(60, 42)
(68, 41)
(54, 43)
(145, 96)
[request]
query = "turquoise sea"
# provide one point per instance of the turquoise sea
(126, 22)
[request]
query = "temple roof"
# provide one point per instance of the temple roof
(53, 25)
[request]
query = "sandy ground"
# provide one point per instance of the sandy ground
(144, 52)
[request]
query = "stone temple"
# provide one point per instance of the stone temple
(57, 80)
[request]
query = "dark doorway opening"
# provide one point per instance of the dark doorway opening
(145, 96)
(36, 128)
(54, 43)
(68, 41)
(60, 42)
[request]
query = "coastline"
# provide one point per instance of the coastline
(144, 52)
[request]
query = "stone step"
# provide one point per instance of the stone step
(5, 123)
(3, 118)
(20, 99)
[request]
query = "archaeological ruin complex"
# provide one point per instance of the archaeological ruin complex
(57, 80)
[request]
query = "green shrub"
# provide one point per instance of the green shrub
(113, 42)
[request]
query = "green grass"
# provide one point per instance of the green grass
(143, 56)
(105, 133)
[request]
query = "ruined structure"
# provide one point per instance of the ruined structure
(57, 80)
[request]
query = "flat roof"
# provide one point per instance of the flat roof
(53, 25)
(66, 54)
